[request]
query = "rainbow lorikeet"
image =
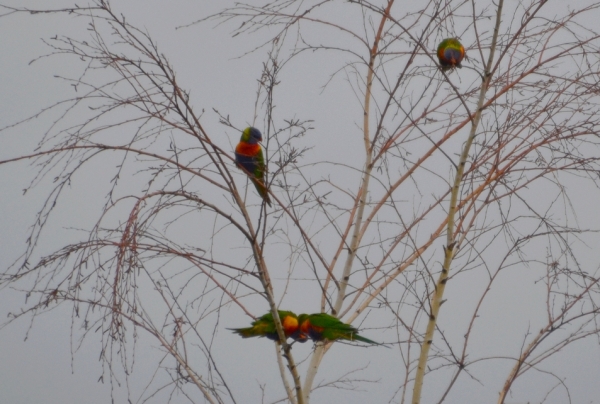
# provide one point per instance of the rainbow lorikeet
(249, 157)
(265, 327)
(450, 52)
(321, 326)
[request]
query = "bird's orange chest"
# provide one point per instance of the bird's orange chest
(290, 324)
(306, 326)
(247, 149)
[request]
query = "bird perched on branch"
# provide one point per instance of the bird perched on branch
(450, 52)
(321, 326)
(265, 327)
(249, 157)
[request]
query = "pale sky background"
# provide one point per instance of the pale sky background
(44, 370)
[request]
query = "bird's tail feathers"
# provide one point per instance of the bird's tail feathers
(244, 332)
(262, 190)
(356, 337)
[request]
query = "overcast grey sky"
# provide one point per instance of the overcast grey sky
(213, 66)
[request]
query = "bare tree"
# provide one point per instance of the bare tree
(462, 182)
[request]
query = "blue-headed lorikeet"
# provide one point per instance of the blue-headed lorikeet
(450, 52)
(265, 327)
(249, 157)
(321, 326)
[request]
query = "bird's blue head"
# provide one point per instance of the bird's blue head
(251, 135)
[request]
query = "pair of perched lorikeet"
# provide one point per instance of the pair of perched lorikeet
(318, 327)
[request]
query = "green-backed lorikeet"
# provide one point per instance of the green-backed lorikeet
(322, 326)
(450, 52)
(265, 327)
(249, 157)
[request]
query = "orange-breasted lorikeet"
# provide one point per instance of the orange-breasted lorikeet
(249, 157)
(450, 52)
(321, 326)
(265, 327)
